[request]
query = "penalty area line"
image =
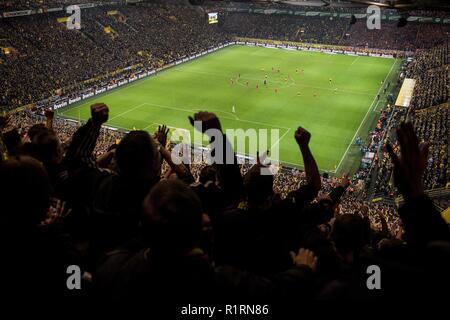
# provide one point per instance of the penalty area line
(234, 119)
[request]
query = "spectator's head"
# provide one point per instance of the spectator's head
(348, 234)
(258, 187)
(208, 173)
(112, 147)
(46, 147)
(12, 141)
(320, 212)
(137, 156)
(172, 219)
(25, 192)
(36, 129)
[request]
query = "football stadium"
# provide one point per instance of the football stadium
(222, 159)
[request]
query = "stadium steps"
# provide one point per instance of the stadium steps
(99, 24)
(200, 10)
(91, 39)
(372, 180)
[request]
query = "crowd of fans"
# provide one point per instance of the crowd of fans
(335, 31)
(432, 126)
(409, 38)
(286, 179)
(45, 59)
(431, 88)
(146, 230)
(429, 110)
(383, 169)
(285, 27)
(146, 236)
(340, 7)
(20, 122)
(430, 70)
(12, 5)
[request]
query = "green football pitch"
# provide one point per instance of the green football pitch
(298, 93)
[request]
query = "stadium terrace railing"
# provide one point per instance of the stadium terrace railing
(433, 194)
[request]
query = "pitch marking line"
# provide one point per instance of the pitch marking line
(364, 119)
(127, 111)
(160, 124)
(354, 60)
(279, 139)
(261, 123)
(191, 110)
(234, 119)
(226, 112)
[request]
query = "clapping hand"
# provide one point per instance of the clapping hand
(161, 135)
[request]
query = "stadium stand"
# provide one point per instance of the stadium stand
(311, 30)
(80, 56)
(429, 112)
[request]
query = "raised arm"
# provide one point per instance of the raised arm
(80, 152)
(181, 170)
(312, 171)
(49, 116)
(229, 174)
(337, 193)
